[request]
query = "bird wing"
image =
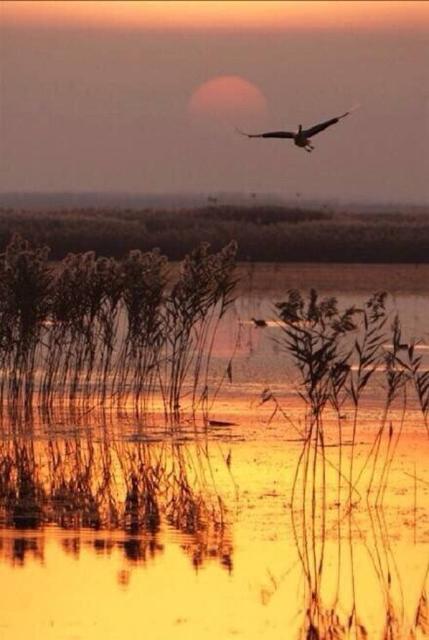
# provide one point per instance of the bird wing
(268, 134)
(323, 125)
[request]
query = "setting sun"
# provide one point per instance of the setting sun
(226, 97)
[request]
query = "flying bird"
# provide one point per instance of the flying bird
(259, 323)
(301, 137)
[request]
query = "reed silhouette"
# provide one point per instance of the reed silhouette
(104, 484)
(92, 336)
(95, 331)
(338, 355)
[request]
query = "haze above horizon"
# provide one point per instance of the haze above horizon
(96, 96)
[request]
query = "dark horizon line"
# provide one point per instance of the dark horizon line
(166, 195)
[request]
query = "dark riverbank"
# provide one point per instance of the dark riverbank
(264, 233)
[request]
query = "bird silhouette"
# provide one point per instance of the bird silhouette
(301, 137)
(259, 323)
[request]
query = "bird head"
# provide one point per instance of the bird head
(300, 128)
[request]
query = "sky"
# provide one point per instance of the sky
(126, 96)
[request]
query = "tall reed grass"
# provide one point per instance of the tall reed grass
(343, 358)
(96, 330)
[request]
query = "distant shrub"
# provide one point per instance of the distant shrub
(263, 233)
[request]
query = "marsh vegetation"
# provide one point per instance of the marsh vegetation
(106, 371)
(98, 330)
(263, 232)
(337, 353)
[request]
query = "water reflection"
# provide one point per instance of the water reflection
(336, 590)
(142, 507)
(127, 498)
(98, 481)
(17, 550)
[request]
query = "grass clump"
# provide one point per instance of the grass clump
(94, 329)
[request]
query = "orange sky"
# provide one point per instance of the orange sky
(89, 107)
(227, 15)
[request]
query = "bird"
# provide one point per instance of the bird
(259, 323)
(301, 137)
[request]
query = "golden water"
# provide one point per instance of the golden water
(247, 566)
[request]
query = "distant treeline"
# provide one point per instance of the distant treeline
(263, 233)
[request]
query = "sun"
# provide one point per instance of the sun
(224, 98)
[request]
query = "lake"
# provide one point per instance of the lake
(114, 524)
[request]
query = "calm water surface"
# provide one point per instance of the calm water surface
(115, 527)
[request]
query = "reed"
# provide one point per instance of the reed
(98, 331)
(143, 281)
(25, 288)
(338, 355)
(197, 303)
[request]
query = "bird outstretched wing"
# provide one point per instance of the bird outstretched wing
(268, 134)
(317, 128)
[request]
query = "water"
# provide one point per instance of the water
(112, 527)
